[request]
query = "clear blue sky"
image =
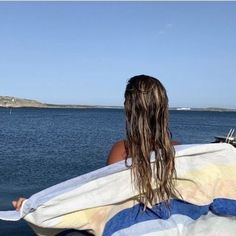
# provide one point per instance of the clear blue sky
(84, 52)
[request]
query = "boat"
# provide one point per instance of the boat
(183, 109)
(229, 138)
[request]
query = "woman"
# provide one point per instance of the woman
(146, 110)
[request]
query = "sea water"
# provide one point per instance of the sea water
(42, 147)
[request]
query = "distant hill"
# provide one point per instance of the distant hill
(7, 101)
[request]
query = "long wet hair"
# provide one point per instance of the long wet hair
(146, 109)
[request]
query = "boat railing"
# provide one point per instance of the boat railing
(230, 136)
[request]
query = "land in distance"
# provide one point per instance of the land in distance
(13, 102)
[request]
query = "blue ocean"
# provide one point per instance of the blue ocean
(42, 147)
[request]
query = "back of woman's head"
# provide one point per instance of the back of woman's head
(146, 108)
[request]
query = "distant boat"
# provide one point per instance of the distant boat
(183, 109)
(230, 138)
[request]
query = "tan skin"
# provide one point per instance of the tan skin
(117, 153)
(18, 203)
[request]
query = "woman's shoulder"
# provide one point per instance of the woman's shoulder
(117, 152)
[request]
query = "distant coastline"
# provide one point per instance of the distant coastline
(13, 102)
(203, 109)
